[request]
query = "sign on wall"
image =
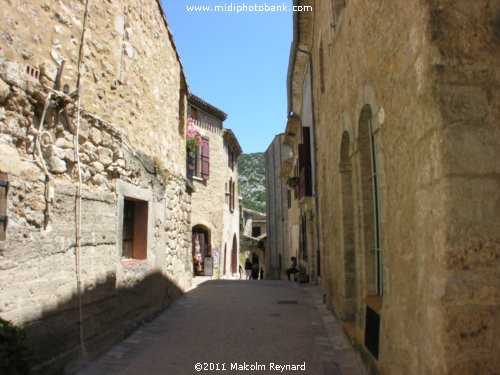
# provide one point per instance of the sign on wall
(216, 258)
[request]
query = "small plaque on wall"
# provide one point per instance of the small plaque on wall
(216, 258)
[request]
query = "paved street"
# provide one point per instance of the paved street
(234, 327)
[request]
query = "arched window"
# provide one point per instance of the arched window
(371, 203)
(349, 257)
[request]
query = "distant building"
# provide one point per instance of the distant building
(253, 238)
(254, 223)
(278, 251)
(213, 171)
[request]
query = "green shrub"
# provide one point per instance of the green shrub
(15, 356)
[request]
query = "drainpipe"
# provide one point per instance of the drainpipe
(78, 203)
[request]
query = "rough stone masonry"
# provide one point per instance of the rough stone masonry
(92, 170)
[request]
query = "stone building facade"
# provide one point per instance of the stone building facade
(279, 249)
(95, 212)
(215, 211)
(253, 238)
(254, 223)
(405, 118)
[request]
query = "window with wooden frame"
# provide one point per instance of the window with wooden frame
(202, 160)
(231, 195)
(4, 189)
(135, 229)
(234, 195)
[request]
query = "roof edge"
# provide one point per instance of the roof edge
(207, 107)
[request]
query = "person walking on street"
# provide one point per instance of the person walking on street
(248, 269)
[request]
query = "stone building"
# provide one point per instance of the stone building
(213, 171)
(253, 238)
(254, 223)
(279, 248)
(95, 232)
(404, 129)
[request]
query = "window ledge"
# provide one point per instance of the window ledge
(375, 303)
(132, 261)
(199, 179)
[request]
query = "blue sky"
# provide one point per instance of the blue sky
(238, 63)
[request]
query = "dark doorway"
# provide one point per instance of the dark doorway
(201, 251)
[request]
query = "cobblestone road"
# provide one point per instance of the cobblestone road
(236, 327)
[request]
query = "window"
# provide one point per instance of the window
(371, 204)
(199, 163)
(256, 232)
(4, 188)
(135, 229)
(232, 193)
(376, 208)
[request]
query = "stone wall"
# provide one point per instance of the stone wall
(210, 198)
(278, 246)
(466, 88)
(130, 68)
(422, 75)
(62, 271)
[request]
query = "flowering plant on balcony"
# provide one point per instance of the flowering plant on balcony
(193, 137)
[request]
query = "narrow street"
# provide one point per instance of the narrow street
(236, 326)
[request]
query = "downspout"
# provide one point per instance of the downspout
(78, 203)
(293, 57)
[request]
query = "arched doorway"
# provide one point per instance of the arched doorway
(234, 256)
(201, 251)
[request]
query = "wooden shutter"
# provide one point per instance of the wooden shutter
(4, 187)
(234, 193)
(205, 159)
(231, 194)
(305, 179)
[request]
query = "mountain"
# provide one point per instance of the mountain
(251, 177)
